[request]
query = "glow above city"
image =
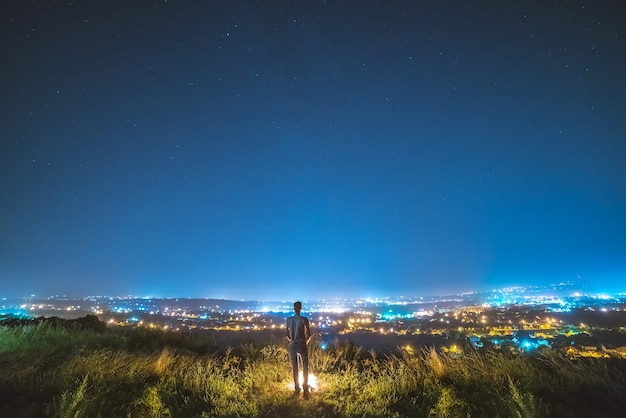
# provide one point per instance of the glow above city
(286, 150)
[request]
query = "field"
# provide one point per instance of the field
(47, 370)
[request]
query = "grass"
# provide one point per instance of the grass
(48, 371)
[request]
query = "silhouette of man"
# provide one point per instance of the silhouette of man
(299, 335)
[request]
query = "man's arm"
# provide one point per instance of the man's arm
(287, 329)
(307, 331)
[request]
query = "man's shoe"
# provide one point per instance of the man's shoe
(306, 393)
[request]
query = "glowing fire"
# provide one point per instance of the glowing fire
(312, 381)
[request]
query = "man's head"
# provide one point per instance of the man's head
(297, 306)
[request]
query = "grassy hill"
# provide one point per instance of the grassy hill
(47, 370)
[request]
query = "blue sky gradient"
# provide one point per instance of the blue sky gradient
(268, 150)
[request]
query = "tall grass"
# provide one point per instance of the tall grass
(46, 371)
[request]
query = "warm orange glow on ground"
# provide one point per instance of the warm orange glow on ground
(312, 381)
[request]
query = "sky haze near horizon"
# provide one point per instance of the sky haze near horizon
(302, 150)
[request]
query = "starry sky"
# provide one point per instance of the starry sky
(310, 149)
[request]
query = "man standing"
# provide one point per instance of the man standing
(299, 335)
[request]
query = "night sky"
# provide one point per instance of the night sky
(310, 149)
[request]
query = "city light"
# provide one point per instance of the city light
(529, 322)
